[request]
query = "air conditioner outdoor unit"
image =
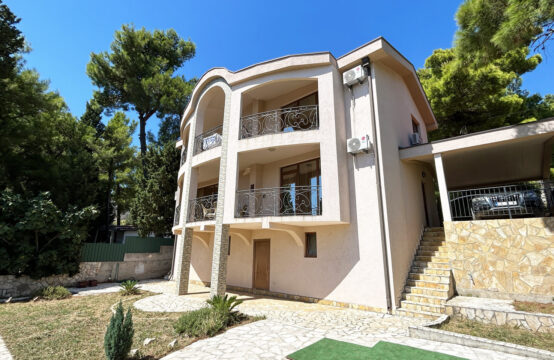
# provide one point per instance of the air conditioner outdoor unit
(354, 76)
(415, 139)
(358, 145)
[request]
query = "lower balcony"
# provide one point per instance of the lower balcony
(279, 201)
(202, 208)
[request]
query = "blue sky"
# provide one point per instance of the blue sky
(234, 34)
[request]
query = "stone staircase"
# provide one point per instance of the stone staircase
(429, 285)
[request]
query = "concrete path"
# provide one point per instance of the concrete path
(292, 325)
(156, 286)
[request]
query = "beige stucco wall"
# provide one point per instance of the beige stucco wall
(503, 258)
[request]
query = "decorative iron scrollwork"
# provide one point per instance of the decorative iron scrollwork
(280, 201)
(208, 140)
(183, 156)
(300, 118)
(202, 208)
(177, 214)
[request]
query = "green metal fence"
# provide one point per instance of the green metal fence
(95, 252)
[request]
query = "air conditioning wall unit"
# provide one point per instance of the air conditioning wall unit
(358, 144)
(354, 76)
(415, 139)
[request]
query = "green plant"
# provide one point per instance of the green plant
(129, 287)
(119, 334)
(54, 293)
(225, 305)
(199, 323)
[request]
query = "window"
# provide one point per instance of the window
(301, 188)
(229, 247)
(415, 126)
(311, 245)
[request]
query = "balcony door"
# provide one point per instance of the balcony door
(301, 188)
(300, 118)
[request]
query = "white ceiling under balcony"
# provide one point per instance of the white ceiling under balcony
(274, 89)
(269, 155)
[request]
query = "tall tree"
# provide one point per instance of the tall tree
(12, 42)
(139, 74)
(154, 203)
(93, 117)
(476, 85)
(117, 164)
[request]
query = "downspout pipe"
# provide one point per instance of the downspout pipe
(366, 63)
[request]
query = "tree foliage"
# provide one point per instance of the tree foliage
(477, 84)
(38, 238)
(152, 210)
(139, 73)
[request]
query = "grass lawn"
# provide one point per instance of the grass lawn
(328, 349)
(534, 307)
(504, 333)
(74, 328)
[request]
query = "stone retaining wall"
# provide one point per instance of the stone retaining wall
(135, 266)
(530, 321)
(511, 259)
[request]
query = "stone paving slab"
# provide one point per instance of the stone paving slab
(4, 352)
(155, 285)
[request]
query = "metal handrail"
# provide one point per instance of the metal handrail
(279, 201)
(202, 208)
(299, 118)
(183, 156)
(526, 199)
(208, 140)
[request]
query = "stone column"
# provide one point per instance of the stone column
(221, 235)
(443, 189)
(184, 261)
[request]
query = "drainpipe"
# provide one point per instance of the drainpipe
(376, 146)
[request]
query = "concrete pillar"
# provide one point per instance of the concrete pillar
(219, 261)
(443, 189)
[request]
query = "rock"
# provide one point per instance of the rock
(148, 341)
(172, 344)
(9, 300)
(133, 352)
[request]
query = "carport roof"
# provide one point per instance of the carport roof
(512, 153)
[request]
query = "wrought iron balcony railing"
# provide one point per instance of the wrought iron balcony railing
(280, 201)
(208, 140)
(177, 215)
(183, 156)
(528, 199)
(298, 118)
(202, 208)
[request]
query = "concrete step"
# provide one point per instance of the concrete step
(434, 229)
(425, 299)
(430, 271)
(433, 242)
(434, 259)
(428, 284)
(432, 265)
(426, 291)
(438, 253)
(427, 277)
(416, 314)
(433, 234)
(410, 305)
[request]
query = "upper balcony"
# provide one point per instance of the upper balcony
(279, 107)
(209, 121)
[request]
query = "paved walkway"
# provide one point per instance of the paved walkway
(292, 325)
(156, 286)
(4, 352)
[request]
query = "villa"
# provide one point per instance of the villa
(311, 177)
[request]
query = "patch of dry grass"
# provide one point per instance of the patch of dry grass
(74, 328)
(534, 307)
(504, 333)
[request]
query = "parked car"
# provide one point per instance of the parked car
(515, 203)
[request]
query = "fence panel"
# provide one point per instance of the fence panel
(97, 252)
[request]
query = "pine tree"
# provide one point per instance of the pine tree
(119, 335)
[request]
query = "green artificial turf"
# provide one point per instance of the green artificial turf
(328, 349)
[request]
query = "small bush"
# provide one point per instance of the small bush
(119, 335)
(54, 293)
(129, 287)
(225, 305)
(200, 323)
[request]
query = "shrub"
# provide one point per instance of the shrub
(225, 305)
(54, 293)
(200, 323)
(129, 287)
(119, 335)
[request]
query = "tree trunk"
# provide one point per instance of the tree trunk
(108, 200)
(142, 135)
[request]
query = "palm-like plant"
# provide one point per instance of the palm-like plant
(225, 305)
(129, 287)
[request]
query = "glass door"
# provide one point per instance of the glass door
(301, 188)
